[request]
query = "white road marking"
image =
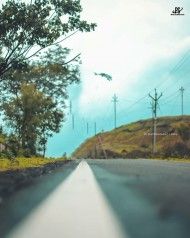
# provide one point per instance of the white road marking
(76, 209)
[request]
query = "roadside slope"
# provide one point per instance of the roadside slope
(135, 140)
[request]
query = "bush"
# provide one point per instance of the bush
(179, 149)
(112, 154)
(184, 132)
(138, 154)
(144, 145)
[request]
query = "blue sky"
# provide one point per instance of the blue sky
(137, 42)
(141, 46)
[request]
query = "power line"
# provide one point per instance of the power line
(133, 104)
(170, 100)
(179, 64)
(174, 104)
(115, 99)
(171, 96)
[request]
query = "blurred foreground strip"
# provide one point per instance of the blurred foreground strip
(77, 208)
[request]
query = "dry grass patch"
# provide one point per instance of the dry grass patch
(22, 163)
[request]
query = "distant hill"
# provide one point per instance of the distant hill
(135, 140)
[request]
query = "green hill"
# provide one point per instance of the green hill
(135, 140)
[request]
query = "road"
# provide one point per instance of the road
(104, 198)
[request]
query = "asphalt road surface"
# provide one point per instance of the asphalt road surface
(103, 198)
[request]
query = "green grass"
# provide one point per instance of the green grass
(23, 163)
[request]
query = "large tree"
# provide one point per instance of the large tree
(49, 73)
(26, 27)
(33, 89)
(33, 117)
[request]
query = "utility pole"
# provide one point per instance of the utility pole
(152, 108)
(101, 144)
(70, 107)
(182, 92)
(73, 121)
(87, 128)
(155, 100)
(95, 128)
(115, 101)
(72, 114)
(152, 113)
(95, 151)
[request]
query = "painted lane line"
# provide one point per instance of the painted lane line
(76, 209)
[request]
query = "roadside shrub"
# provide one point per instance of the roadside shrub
(184, 132)
(138, 154)
(163, 124)
(179, 149)
(144, 145)
(112, 154)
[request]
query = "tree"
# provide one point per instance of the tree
(33, 117)
(49, 73)
(28, 27)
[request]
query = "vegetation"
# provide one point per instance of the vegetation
(33, 117)
(27, 27)
(135, 140)
(24, 163)
(48, 73)
(35, 70)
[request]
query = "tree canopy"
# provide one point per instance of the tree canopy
(34, 89)
(33, 117)
(49, 73)
(28, 27)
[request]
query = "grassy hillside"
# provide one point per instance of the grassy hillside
(135, 140)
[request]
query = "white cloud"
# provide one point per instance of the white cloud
(131, 35)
